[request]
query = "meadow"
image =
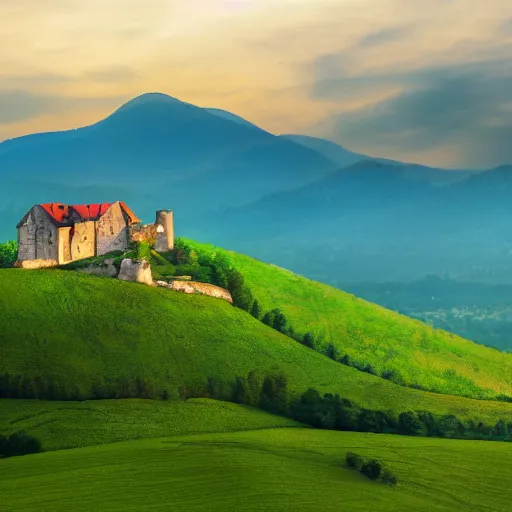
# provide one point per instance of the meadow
(79, 334)
(383, 341)
(64, 425)
(260, 470)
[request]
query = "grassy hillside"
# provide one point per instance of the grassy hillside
(415, 353)
(78, 333)
(284, 469)
(62, 425)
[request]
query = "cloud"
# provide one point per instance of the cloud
(506, 27)
(17, 105)
(111, 74)
(387, 35)
(469, 107)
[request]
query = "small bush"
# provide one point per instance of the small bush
(18, 443)
(8, 254)
(372, 469)
(388, 477)
(354, 460)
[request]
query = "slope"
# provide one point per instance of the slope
(338, 154)
(376, 338)
(64, 425)
(345, 158)
(81, 336)
(374, 222)
(285, 469)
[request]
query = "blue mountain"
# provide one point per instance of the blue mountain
(183, 156)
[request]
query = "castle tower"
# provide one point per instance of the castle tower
(164, 231)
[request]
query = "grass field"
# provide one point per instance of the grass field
(266, 470)
(62, 425)
(82, 330)
(434, 359)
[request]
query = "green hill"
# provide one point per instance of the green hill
(382, 341)
(64, 425)
(79, 336)
(265, 470)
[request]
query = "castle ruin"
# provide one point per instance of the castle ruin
(53, 234)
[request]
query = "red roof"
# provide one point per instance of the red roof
(91, 211)
(60, 212)
(69, 214)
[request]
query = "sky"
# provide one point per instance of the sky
(416, 80)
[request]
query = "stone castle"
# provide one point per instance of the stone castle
(54, 234)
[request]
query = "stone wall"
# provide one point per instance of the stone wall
(35, 264)
(112, 231)
(64, 245)
(199, 288)
(83, 240)
(140, 233)
(37, 237)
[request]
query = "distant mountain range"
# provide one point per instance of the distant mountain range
(301, 202)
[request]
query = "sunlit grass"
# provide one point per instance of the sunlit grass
(372, 335)
(266, 470)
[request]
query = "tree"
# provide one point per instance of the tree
(239, 391)
(354, 460)
(308, 340)
(332, 352)
(256, 310)
(279, 321)
(241, 294)
(272, 397)
(268, 318)
(253, 389)
(409, 424)
(8, 253)
(20, 443)
(388, 477)
(372, 469)
(501, 429)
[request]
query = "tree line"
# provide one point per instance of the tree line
(332, 412)
(271, 393)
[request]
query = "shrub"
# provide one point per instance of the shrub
(388, 477)
(18, 443)
(8, 253)
(308, 340)
(256, 311)
(332, 352)
(354, 460)
(409, 424)
(372, 469)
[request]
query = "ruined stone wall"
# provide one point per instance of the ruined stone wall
(37, 237)
(112, 231)
(165, 231)
(196, 287)
(35, 264)
(83, 241)
(140, 233)
(64, 245)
